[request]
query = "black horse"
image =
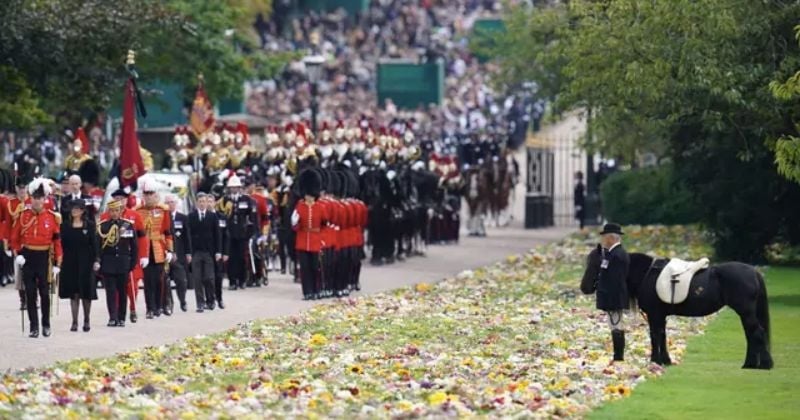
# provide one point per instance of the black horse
(737, 285)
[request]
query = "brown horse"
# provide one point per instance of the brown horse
(477, 192)
(502, 183)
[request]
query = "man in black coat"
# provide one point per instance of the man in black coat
(206, 239)
(182, 244)
(116, 257)
(612, 289)
(214, 202)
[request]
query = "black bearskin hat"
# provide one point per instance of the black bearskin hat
(310, 182)
(90, 172)
(334, 185)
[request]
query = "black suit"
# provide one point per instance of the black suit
(206, 240)
(117, 252)
(182, 243)
(612, 287)
(242, 224)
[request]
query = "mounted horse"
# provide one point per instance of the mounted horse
(478, 193)
(692, 293)
(502, 181)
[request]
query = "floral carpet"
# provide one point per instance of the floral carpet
(512, 339)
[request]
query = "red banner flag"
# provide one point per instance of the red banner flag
(202, 118)
(130, 158)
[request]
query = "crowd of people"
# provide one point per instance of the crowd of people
(413, 30)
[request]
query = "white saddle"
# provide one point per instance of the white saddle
(672, 285)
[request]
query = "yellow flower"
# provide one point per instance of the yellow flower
(437, 398)
(357, 369)
(326, 396)
(235, 396)
(176, 388)
(84, 365)
(317, 340)
(312, 404)
(236, 362)
(404, 405)
(422, 287)
(4, 398)
(441, 397)
(188, 415)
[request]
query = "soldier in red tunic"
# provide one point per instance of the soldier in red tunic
(36, 243)
(307, 220)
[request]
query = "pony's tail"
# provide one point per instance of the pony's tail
(762, 309)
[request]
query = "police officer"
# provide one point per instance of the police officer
(117, 255)
(34, 236)
(242, 216)
(612, 289)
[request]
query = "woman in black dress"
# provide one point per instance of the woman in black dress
(77, 281)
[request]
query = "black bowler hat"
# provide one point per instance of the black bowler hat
(78, 204)
(612, 228)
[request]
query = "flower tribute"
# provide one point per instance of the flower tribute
(514, 338)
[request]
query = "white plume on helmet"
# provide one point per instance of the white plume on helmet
(234, 181)
(38, 182)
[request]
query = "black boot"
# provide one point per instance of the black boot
(619, 344)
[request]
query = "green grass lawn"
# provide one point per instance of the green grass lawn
(709, 384)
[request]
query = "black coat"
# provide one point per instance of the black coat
(181, 237)
(206, 236)
(77, 277)
(612, 287)
(242, 217)
(117, 255)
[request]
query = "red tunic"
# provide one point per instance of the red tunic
(263, 210)
(5, 219)
(328, 229)
(39, 232)
(310, 218)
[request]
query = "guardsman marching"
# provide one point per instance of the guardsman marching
(158, 229)
(117, 255)
(307, 220)
(37, 245)
(242, 217)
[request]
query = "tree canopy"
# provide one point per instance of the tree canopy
(688, 80)
(66, 57)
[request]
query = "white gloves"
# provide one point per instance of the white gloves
(169, 257)
(217, 256)
(295, 218)
(56, 270)
(143, 262)
(96, 266)
(20, 261)
(262, 239)
(9, 253)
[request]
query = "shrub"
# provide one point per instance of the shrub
(647, 196)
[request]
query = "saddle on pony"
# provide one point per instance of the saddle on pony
(672, 284)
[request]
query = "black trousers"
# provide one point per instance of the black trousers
(35, 276)
(285, 247)
(154, 293)
(219, 270)
(237, 261)
(177, 272)
(204, 273)
(342, 268)
(327, 270)
(116, 295)
(309, 271)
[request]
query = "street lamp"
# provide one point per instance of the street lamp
(313, 64)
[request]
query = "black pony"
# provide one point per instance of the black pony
(737, 285)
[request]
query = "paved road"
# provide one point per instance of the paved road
(281, 297)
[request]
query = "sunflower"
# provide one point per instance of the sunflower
(357, 369)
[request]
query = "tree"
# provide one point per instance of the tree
(787, 147)
(685, 79)
(70, 53)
